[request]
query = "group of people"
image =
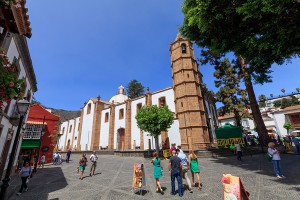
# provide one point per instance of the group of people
(83, 163)
(179, 165)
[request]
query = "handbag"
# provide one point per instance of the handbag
(27, 181)
(269, 157)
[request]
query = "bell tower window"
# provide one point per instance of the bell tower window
(162, 101)
(183, 48)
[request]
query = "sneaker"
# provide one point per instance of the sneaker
(282, 176)
(19, 193)
(26, 189)
(279, 177)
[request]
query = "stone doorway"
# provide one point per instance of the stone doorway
(121, 139)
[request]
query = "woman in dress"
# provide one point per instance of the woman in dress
(275, 159)
(82, 164)
(157, 172)
(194, 168)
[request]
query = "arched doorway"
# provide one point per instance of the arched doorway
(121, 138)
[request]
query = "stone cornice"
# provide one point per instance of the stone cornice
(25, 56)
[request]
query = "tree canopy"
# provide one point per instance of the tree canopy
(134, 89)
(262, 31)
(154, 120)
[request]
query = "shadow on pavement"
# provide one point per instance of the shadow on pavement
(43, 182)
(290, 166)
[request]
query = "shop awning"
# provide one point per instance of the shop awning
(30, 143)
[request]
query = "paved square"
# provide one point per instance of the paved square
(113, 180)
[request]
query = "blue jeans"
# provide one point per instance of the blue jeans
(277, 168)
(176, 174)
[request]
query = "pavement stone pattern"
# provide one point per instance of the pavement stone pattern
(113, 180)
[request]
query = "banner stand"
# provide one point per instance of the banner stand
(139, 183)
(234, 188)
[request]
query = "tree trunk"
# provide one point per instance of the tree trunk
(156, 144)
(260, 125)
(237, 118)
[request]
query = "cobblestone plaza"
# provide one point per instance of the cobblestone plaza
(113, 180)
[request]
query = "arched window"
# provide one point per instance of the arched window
(89, 109)
(161, 101)
(183, 48)
(138, 107)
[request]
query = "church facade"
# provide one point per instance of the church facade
(112, 125)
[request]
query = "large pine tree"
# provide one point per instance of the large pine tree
(134, 89)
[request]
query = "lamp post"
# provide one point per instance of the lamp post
(22, 107)
(40, 144)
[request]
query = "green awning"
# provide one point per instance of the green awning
(229, 131)
(30, 143)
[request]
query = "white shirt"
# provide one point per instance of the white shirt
(274, 153)
(43, 158)
(93, 158)
(238, 147)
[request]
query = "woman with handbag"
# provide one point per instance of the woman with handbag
(25, 173)
(157, 172)
(275, 159)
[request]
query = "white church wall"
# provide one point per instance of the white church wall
(168, 94)
(119, 123)
(280, 119)
(70, 132)
(174, 134)
(76, 132)
(63, 133)
(104, 130)
(87, 125)
(135, 131)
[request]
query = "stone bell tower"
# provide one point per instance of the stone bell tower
(189, 103)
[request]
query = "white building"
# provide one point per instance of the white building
(16, 49)
(112, 125)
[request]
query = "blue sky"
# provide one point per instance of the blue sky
(82, 50)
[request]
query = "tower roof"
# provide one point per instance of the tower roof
(179, 36)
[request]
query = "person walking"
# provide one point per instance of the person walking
(68, 155)
(93, 159)
(157, 172)
(193, 160)
(296, 142)
(82, 165)
(42, 160)
(24, 173)
(55, 158)
(174, 170)
(275, 160)
(238, 150)
(185, 168)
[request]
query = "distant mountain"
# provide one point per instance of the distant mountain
(65, 115)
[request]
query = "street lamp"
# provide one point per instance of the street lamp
(22, 107)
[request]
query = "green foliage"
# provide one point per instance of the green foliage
(286, 102)
(262, 100)
(234, 98)
(287, 126)
(154, 119)
(261, 31)
(10, 85)
(134, 89)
